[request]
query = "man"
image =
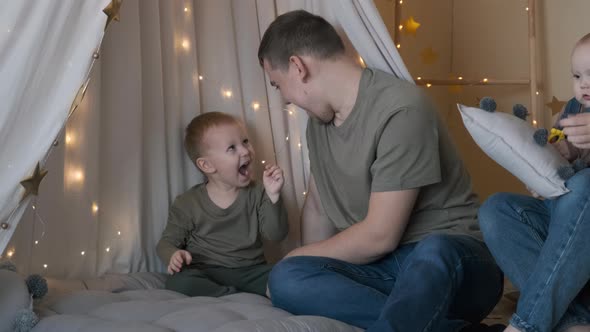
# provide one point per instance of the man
(403, 251)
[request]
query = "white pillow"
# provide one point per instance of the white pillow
(509, 141)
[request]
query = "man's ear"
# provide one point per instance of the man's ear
(204, 165)
(301, 68)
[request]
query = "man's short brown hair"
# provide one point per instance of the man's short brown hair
(196, 130)
(298, 33)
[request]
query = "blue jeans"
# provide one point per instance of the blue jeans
(441, 283)
(543, 247)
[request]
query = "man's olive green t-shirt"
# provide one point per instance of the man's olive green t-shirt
(392, 140)
(229, 237)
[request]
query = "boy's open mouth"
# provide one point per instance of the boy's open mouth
(243, 170)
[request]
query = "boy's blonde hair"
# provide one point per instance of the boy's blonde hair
(196, 130)
(583, 40)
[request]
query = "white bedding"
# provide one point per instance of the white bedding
(93, 306)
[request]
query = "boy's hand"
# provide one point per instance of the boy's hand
(272, 177)
(177, 259)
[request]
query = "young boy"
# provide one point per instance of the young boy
(212, 242)
(542, 245)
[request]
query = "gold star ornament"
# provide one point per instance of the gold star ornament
(429, 56)
(555, 105)
(411, 26)
(112, 11)
(31, 184)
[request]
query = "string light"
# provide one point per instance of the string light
(119, 233)
(401, 2)
(428, 85)
(535, 122)
(304, 193)
(287, 138)
(108, 249)
(9, 253)
(185, 44)
(537, 93)
(290, 112)
(485, 80)
(400, 27)
(83, 253)
(527, 9)
(77, 175)
(418, 78)
(94, 208)
(44, 266)
(226, 93)
(460, 78)
(185, 9)
(299, 145)
(33, 207)
(69, 139)
(36, 242)
(264, 161)
(255, 106)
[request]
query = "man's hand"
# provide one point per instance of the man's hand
(273, 180)
(177, 259)
(577, 130)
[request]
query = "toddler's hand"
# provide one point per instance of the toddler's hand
(273, 180)
(177, 259)
(577, 130)
(534, 193)
(564, 150)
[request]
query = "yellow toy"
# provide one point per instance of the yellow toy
(555, 135)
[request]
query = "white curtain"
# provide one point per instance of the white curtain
(46, 50)
(120, 162)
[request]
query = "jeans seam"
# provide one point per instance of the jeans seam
(558, 261)
(473, 258)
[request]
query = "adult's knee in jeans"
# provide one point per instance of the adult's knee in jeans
(580, 182)
(284, 278)
(489, 212)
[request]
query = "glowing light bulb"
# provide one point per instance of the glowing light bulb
(10, 253)
(398, 45)
(78, 175)
(264, 161)
(44, 266)
(418, 78)
(200, 78)
(185, 44)
(108, 249)
(119, 233)
(94, 208)
(428, 85)
(287, 138)
(535, 122)
(255, 106)
(83, 253)
(185, 9)
(460, 78)
(227, 93)
(485, 80)
(400, 27)
(36, 242)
